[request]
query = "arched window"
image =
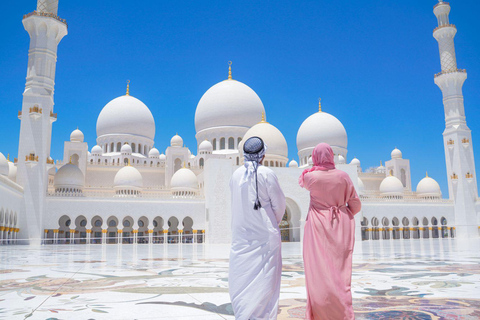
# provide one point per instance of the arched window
(139, 148)
(238, 141)
(231, 143)
(238, 161)
(133, 147)
(119, 146)
(112, 146)
(214, 144)
(144, 149)
(222, 143)
(201, 162)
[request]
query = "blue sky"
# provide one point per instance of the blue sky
(372, 62)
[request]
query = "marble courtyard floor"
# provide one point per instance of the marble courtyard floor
(402, 279)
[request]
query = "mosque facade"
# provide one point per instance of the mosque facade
(125, 190)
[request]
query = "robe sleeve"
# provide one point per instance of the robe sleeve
(277, 198)
(353, 201)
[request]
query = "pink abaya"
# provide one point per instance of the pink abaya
(329, 238)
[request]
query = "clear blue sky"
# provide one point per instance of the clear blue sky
(372, 62)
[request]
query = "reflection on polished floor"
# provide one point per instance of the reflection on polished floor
(411, 279)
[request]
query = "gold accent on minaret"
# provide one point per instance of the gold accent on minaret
(319, 104)
(128, 88)
(229, 70)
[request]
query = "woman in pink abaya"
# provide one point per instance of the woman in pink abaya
(329, 237)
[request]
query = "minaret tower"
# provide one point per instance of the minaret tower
(457, 138)
(46, 30)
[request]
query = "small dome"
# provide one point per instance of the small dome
(89, 153)
(322, 127)
(128, 178)
(361, 186)
(97, 150)
(68, 176)
(310, 161)
(273, 138)
(205, 147)
(162, 157)
(176, 141)
(184, 180)
(355, 162)
(428, 187)
(126, 115)
(76, 136)
(153, 153)
(380, 169)
(126, 149)
(396, 154)
(341, 160)
(293, 164)
(4, 168)
(12, 171)
(228, 103)
(391, 186)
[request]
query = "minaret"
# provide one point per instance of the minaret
(457, 138)
(46, 30)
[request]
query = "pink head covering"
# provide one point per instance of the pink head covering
(323, 159)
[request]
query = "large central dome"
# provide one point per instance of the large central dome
(228, 103)
(126, 115)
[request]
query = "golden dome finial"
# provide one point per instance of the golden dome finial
(319, 104)
(263, 118)
(70, 161)
(229, 70)
(128, 88)
(8, 157)
(381, 165)
(184, 166)
(426, 174)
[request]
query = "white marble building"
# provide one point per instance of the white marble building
(124, 189)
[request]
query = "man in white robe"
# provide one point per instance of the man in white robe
(258, 206)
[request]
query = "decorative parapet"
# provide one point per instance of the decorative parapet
(46, 14)
(35, 109)
(450, 71)
(440, 3)
(444, 26)
(50, 161)
(469, 175)
(454, 176)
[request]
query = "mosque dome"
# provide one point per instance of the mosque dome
(153, 153)
(70, 177)
(228, 103)
(12, 171)
(355, 162)
(273, 138)
(341, 160)
(128, 178)
(391, 186)
(428, 187)
(396, 154)
(126, 149)
(293, 164)
(97, 150)
(176, 141)
(4, 168)
(322, 127)
(205, 147)
(361, 186)
(162, 157)
(184, 180)
(126, 115)
(76, 136)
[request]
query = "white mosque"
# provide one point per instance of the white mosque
(125, 190)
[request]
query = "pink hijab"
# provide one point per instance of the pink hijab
(323, 159)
